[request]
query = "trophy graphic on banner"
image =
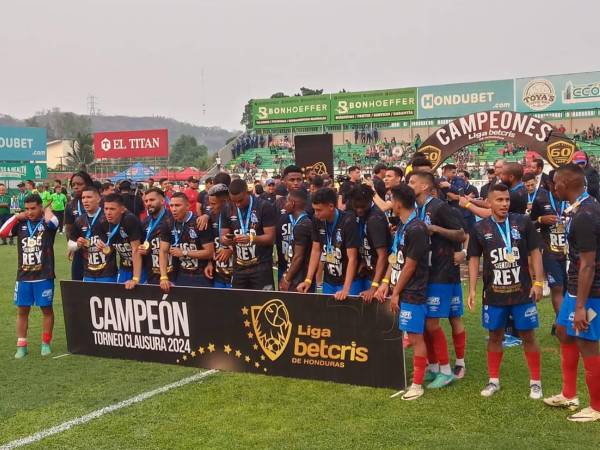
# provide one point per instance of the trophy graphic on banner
(14, 205)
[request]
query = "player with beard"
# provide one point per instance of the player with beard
(335, 239)
(189, 247)
(158, 223)
(122, 232)
(578, 322)
(375, 240)
(220, 268)
(249, 226)
(444, 291)
(507, 241)
(35, 231)
(87, 234)
(73, 210)
(294, 240)
(407, 276)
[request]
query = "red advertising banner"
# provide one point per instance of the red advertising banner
(131, 144)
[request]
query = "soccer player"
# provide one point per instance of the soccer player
(87, 234)
(335, 238)
(122, 232)
(407, 276)
(220, 268)
(292, 178)
(249, 226)
(507, 241)
(532, 188)
(444, 291)
(35, 232)
(578, 322)
(374, 238)
(294, 240)
(73, 210)
(190, 248)
(158, 223)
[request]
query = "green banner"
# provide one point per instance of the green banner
(23, 171)
(291, 111)
(374, 106)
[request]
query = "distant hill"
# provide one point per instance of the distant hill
(64, 125)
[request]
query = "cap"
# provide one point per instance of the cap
(270, 181)
(21, 184)
(579, 157)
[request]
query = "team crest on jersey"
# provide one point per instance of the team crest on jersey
(338, 235)
(253, 218)
(123, 233)
(23, 228)
(547, 207)
(515, 233)
(193, 234)
(427, 219)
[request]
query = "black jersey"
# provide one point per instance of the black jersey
(35, 247)
(121, 235)
(291, 233)
(73, 210)
(506, 278)
(187, 236)
(518, 199)
(335, 238)
(153, 229)
(583, 235)
(223, 270)
(96, 263)
(411, 242)
(374, 233)
(553, 236)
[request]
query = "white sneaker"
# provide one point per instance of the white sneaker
(560, 400)
(585, 415)
(490, 390)
(535, 392)
(414, 392)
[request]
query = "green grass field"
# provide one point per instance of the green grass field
(229, 410)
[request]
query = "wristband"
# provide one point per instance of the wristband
(136, 279)
(251, 238)
(385, 280)
(538, 283)
(467, 205)
(540, 219)
(374, 284)
(164, 278)
(308, 281)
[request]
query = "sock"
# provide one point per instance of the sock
(46, 338)
(460, 362)
(569, 355)
(431, 352)
(460, 342)
(493, 362)
(435, 368)
(419, 365)
(496, 381)
(21, 342)
(445, 369)
(440, 346)
(534, 364)
(592, 379)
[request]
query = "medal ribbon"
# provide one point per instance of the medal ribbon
(112, 232)
(79, 210)
(294, 223)
(423, 209)
(531, 197)
(578, 202)
(519, 184)
(505, 237)
(399, 236)
(153, 224)
(32, 232)
(88, 233)
(329, 234)
(245, 221)
(563, 205)
(179, 233)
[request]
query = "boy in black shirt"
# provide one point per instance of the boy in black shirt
(506, 242)
(220, 268)
(335, 239)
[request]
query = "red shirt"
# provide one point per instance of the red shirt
(192, 195)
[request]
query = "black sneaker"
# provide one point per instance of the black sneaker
(459, 372)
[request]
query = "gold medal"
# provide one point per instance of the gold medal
(145, 245)
(330, 258)
(510, 257)
(106, 250)
(86, 243)
(560, 227)
(30, 243)
(392, 259)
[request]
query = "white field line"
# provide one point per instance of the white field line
(102, 411)
(60, 356)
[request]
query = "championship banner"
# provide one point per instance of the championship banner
(131, 144)
(374, 106)
(272, 333)
(521, 129)
(22, 144)
(314, 153)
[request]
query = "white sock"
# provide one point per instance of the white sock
(435, 368)
(532, 382)
(496, 381)
(445, 369)
(460, 362)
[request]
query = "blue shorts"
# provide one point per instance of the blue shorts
(567, 312)
(192, 280)
(365, 283)
(126, 275)
(220, 285)
(29, 293)
(444, 300)
(555, 270)
(112, 279)
(412, 318)
(333, 288)
(525, 316)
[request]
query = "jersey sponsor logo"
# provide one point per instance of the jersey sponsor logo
(488, 236)
(193, 234)
(433, 301)
(405, 315)
(338, 235)
(47, 293)
(531, 312)
(455, 301)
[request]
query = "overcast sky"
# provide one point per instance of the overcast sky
(145, 57)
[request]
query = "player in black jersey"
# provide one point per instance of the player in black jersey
(292, 179)
(335, 240)
(220, 268)
(190, 247)
(375, 240)
(122, 233)
(35, 229)
(507, 242)
(87, 235)
(294, 240)
(578, 322)
(249, 226)
(73, 210)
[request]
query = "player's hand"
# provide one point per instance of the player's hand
(381, 292)
(471, 301)
(142, 250)
(444, 184)
(209, 271)
(462, 201)
(548, 220)
(395, 303)
(536, 293)
(580, 322)
(459, 258)
(130, 284)
(165, 285)
(226, 241)
(242, 239)
(303, 287)
(176, 252)
(81, 242)
(432, 229)
(284, 285)
(223, 254)
(341, 295)
(369, 294)
(368, 182)
(70, 255)
(202, 222)
(21, 216)
(100, 245)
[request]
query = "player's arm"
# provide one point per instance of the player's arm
(10, 223)
(475, 207)
(296, 263)
(587, 268)
(410, 266)
(207, 251)
(452, 227)
(267, 239)
(383, 288)
(351, 269)
(381, 203)
(163, 263)
(315, 257)
(451, 235)
(50, 219)
(474, 252)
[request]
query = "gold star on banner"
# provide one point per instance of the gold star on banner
(227, 349)
(193, 354)
(247, 358)
(262, 357)
(238, 353)
(211, 347)
(201, 350)
(246, 323)
(256, 364)
(245, 311)
(184, 357)
(250, 335)
(255, 347)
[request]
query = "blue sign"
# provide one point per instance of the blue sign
(456, 100)
(558, 92)
(22, 144)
